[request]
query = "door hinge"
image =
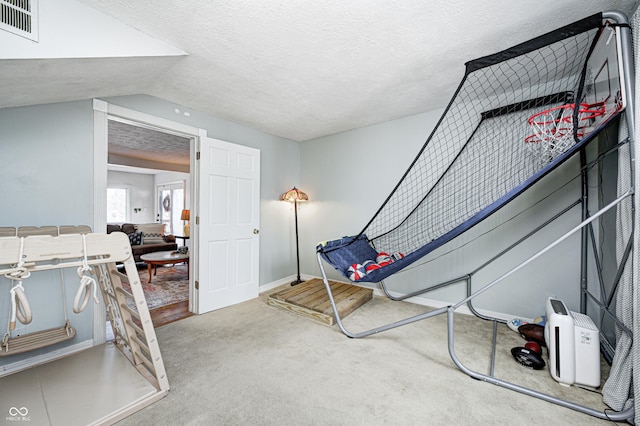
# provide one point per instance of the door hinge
(197, 285)
(198, 155)
(197, 220)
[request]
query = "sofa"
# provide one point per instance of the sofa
(145, 238)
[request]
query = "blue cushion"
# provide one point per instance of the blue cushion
(346, 251)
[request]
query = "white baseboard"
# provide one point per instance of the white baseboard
(17, 366)
(464, 309)
(436, 304)
(285, 280)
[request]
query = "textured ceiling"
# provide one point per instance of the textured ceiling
(299, 69)
(137, 146)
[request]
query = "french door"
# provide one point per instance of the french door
(170, 202)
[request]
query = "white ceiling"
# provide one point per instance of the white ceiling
(146, 148)
(297, 69)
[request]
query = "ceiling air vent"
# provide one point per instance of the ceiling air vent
(20, 17)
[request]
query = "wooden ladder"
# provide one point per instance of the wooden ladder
(133, 328)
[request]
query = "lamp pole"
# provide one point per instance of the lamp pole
(295, 209)
(295, 195)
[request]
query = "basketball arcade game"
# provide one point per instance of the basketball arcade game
(577, 83)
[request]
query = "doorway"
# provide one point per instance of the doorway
(225, 184)
(155, 164)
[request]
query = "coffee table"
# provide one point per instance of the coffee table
(164, 258)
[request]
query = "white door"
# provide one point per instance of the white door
(228, 224)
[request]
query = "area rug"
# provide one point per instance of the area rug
(170, 285)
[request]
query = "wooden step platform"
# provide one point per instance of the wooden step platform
(310, 299)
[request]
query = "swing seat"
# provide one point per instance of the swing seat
(39, 339)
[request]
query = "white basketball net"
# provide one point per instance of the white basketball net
(553, 130)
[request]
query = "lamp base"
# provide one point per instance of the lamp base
(187, 230)
(296, 282)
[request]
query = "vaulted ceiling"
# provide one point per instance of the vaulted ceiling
(296, 69)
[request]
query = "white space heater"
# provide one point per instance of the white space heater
(573, 342)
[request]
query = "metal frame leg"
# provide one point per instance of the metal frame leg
(373, 330)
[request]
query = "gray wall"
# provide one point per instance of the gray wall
(141, 194)
(279, 171)
(46, 178)
(350, 174)
(46, 175)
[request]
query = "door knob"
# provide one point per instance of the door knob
(256, 231)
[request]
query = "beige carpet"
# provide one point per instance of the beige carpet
(253, 364)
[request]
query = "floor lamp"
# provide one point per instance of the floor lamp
(293, 196)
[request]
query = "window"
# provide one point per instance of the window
(117, 205)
